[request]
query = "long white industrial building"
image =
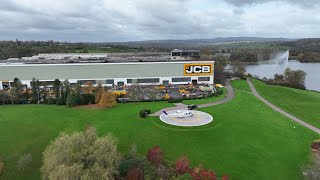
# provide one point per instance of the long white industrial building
(144, 73)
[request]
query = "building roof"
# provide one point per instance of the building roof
(94, 70)
(179, 50)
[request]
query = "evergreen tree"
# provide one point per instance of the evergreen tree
(56, 87)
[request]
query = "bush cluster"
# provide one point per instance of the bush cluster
(144, 113)
(174, 100)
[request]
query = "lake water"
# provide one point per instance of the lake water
(268, 70)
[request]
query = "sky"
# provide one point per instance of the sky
(134, 20)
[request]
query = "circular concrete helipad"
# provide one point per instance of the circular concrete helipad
(198, 118)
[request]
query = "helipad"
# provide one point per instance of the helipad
(198, 118)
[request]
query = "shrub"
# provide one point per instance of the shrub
(174, 100)
(73, 99)
(147, 111)
(225, 177)
(51, 100)
(60, 101)
(143, 113)
(186, 176)
(88, 99)
(182, 165)
(107, 100)
(135, 174)
(1, 167)
(24, 161)
(155, 155)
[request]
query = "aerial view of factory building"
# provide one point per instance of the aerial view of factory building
(183, 67)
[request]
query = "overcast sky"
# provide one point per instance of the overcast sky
(127, 20)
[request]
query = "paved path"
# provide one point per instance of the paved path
(230, 95)
(254, 91)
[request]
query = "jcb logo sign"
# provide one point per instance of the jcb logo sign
(197, 69)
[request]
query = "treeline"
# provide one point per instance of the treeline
(18, 49)
(61, 93)
(305, 50)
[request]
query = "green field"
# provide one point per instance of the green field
(241, 84)
(300, 103)
(246, 140)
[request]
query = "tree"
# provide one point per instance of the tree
(155, 155)
(16, 88)
(35, 88)
(238, 69)
(182, 165)
(81, 155)
(295, 77)
(107, 100)
(56, 87)
(66, 85)
(278, 77)
(135, 92)
(24, 161)
(4, 96)
(88, 88)
(73, 99)
(99, 91)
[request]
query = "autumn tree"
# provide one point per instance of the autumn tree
(81, 155)
(108, 100)
(88, 88)
(182, 165)
(155, 155)
(98, 91)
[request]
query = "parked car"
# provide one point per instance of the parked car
(192, 106)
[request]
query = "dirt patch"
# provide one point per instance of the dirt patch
(89, 106)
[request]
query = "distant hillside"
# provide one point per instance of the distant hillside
(305, 50)
(197, 42)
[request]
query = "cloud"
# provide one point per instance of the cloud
(304, 3)
(123, 20)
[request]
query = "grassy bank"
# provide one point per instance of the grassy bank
(300, 103)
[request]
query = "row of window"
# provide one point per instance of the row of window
(131, 81)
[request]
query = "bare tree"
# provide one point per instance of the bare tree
(135, 92)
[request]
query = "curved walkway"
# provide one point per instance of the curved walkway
(254, 91)
(229, 96)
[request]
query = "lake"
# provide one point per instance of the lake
(268, 70)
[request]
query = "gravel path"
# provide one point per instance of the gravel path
(230, 95)
(254, 91)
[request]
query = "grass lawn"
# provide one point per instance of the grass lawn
(300, 103)
(206, 100)
(247, 140)
(241, 84)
